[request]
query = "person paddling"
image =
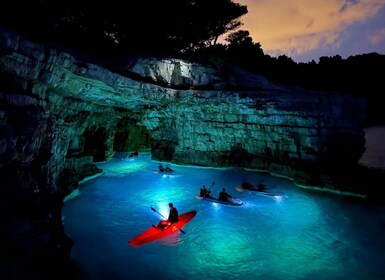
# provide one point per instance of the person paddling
(261, 187)
(205, 193)
(133, 154)
(168, 169)
(172, 218)
(161, 168)
(224, 196)
(247, 186)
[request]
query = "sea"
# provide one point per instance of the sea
(297, 233)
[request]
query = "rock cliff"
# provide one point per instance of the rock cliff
(60, 112)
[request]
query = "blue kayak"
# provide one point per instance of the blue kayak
(257, 191)
(231, 202)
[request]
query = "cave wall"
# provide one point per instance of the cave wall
(59, 113)
(44, 154)
(49, 143)
(183, 112)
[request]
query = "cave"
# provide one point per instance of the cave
(60, 115)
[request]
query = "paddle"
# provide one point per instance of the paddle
(208, 192)
(181, 230)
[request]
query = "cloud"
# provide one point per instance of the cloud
(378, 37)
(299, 26)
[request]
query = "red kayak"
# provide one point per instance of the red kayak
(154, 233)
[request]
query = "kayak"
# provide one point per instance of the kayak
(256, 191)
(154, 233)
(231, 201)
(164, 172)
(167, 173)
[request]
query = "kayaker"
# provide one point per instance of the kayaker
(133, 154)
(204, 192)
(247, 186)
(161, 168)
(261, 187)
(168, 169)
(224, 196)
(172, 217)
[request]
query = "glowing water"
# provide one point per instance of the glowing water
(306, 235)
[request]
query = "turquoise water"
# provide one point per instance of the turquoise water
(302, 235)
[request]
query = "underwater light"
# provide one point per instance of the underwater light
(163, 209)
(278, 198)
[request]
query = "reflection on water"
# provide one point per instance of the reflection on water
(307, 235)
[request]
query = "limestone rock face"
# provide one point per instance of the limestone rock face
(173, 72)
(185, 113)
(60, 113)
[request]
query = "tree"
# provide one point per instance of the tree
(244, 52)
(221, 17)
(155, 26)
(240, 37)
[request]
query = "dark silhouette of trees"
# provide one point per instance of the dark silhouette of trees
(149, 26)
(241, 48)
(356, 75)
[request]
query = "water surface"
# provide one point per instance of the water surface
(303, 235)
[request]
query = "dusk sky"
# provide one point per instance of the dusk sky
(308, 29)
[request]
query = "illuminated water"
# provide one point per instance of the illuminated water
(306, 235)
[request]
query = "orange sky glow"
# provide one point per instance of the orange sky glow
(307, 29)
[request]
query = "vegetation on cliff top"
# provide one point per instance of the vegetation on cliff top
(188, 29)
